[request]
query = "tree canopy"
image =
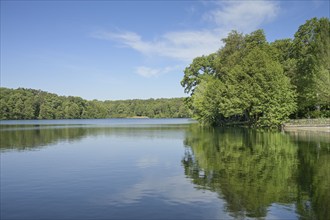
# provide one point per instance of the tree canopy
(311, 50)
(36, 104)
(258, 83)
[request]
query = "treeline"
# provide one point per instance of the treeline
(36, 104)
(254, 82)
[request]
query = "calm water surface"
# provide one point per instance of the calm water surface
(160, 169)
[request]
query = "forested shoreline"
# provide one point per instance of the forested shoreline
(254, 82)
(25, 103)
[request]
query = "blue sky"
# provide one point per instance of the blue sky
(111, 50)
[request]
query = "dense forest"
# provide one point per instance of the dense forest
(36, 104)
(251, 81)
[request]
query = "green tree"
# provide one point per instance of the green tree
(95, 109)
(311, 50)
(247, 84)
(199, 66)
(271, 97)
(46, 111)
(71, 110)
(17, 105)
(206, 101)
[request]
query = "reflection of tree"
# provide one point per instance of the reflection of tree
(321, 187)
(28, 137)
(314, 174)
(250, 169)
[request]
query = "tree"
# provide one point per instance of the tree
(206, 100)
(71, 110)
(46, 111)
(17, 106)
(271, 98)
(200, 66)
(95, 109)
(247, 84)
(311, 47)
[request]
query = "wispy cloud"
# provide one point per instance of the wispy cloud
(148, 72)
(244, 16)
(183, 46)
(129, 39)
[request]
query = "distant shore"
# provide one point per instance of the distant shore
(138, 117)
(314, 125)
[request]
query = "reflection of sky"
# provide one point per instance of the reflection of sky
(172, 189)
(154, 178)
(278, 211)
(156, 164)
(146, 162)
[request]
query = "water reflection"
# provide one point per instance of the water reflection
(32, 137)
(252, 170)
(103, 173)
(107, 170)
(29, 137)
(313, 180)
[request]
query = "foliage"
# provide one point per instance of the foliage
(248, 85)
(36, 104)
(250, 81)
(200, 66)
(311, 49)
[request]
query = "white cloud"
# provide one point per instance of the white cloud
(154, 72)
(147, 72)
(183, 46)
(244, 16)
(129, 39)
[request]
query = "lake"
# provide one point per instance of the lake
(160, 169)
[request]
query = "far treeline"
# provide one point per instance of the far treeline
(253, 82)
(36, 104)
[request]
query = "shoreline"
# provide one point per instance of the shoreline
(313, 128)
(313, 125)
